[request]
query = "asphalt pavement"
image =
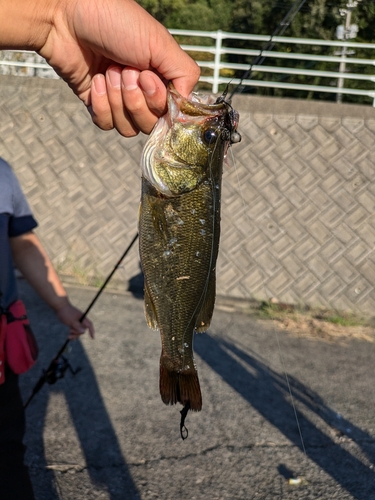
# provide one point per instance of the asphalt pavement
(283, 417)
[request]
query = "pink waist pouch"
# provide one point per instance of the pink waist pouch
(20, 346)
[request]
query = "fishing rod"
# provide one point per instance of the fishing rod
(60, 364)
(269, 45)
(235, 137)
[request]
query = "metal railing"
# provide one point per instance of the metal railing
(217, 66)
(25, 63)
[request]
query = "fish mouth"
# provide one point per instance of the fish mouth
(205, 104)
(196, 109)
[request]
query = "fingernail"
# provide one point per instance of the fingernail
(149, 87)
(115, 77)
(130, 79)
(99, 84)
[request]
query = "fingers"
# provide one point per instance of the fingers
(77, 328)
(120, 114)
(145, 97)
(169, 60)
(70, 316)
(128, 100)
(190, 74)
(87, 324)
(100, 108)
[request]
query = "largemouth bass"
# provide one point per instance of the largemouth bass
(179, 228)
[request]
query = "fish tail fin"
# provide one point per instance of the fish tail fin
(190, 391)
(182, 387)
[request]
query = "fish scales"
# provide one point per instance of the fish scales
(179, 229)
(183, 279)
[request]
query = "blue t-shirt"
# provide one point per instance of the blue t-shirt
(15, 219)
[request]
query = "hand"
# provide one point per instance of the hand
(69, 315)
(32, 260)
(116, 58)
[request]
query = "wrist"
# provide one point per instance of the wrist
(59, 303)
(25, 24)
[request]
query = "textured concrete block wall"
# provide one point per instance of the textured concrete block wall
(298, 220)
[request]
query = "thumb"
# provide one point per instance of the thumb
(172, 63)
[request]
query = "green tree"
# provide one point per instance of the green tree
(203, 15)
(160, 9)
(316, 19)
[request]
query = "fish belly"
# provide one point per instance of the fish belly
(179, 240)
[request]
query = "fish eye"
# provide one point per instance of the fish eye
(209, 135)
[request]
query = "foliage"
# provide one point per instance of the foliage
(317, 19)
(202, 15)
(281, 312)
(364, 16)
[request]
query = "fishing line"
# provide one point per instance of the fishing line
(290, 392)
(275, 329)
(258, 60)
(269, 45)
(183, 430)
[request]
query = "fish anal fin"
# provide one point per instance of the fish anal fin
(150, 313)
(205, 315)
(179, 387)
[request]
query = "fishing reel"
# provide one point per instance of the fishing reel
(57, 370)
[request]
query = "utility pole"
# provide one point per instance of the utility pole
(345, 32)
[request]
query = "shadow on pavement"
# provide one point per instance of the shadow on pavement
(268, 393)
(102, 456)
(136, 284)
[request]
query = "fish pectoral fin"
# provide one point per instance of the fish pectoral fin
(179, 387)
(150, 313)
(208, 302)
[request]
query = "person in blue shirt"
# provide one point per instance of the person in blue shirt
(21, 248)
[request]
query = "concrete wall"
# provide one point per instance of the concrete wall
(297, 207)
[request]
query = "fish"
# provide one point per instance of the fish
(179, 231)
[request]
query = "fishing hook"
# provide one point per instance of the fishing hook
(183, 430)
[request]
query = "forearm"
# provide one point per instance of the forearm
(31, 259)
(112, 54)
(25, 24)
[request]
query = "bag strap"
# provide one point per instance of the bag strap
(16, 312)
(3, 329)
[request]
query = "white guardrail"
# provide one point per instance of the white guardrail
(30, 64)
